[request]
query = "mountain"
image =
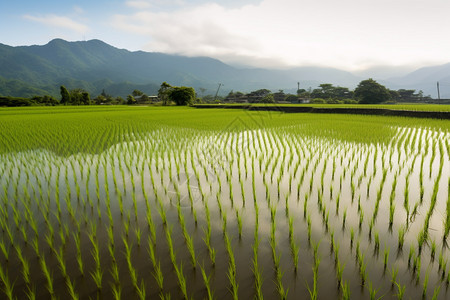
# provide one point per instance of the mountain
(95, 66)
(426, 79)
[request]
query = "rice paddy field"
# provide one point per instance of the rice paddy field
(182, 203)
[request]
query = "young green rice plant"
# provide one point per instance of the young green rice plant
(71, 289)
(424, 287)
(345, 291)
(361, 219)
(344, 217)
(190, 246)
(436, 292)
(239, 221)
(401, 237)
(116, 291)
(206, 281)
(61, 262)
(401, 290)
(138, 234)
(433, 250)
(8, 287)
(25, 266)
(309, 227)
(314, 291)
(373, 292)
(256, 270)
(416, 267)
(377, 242)
(97, 274)
(5, 250)
(48, 276)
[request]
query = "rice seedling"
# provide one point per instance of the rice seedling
(436, 292)
(401, 237)
(71, 289)
(314, 291)
(48, 276)
(206, 280)
(8, 287)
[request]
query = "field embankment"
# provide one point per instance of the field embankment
(415, 111)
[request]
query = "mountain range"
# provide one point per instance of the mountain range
(96, 66)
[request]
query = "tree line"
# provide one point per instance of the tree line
(367, 91)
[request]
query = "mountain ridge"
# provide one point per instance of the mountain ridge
(95, 66)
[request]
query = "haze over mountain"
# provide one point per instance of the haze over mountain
(95, 66)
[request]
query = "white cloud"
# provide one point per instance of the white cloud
(138, 4)
(59, 22)
(78, 9)
(346, 34)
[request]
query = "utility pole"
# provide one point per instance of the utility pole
(215, 97)
(439, 94)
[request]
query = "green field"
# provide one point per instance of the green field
(175, 202)
(411, 107)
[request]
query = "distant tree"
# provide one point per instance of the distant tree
(327, 90)
(85, 98)
(370, 91)
(406, 95)
(100, 99)
(182, 95)
(163, 92)
(292, 98)
(65, 96)
(268, 99)
(300, 91)
(318, 101)
(394, 95)
(119, 100)
(45, 100)
(258, 95)
(131, 100)
(279, 96)
(79, 97)
(137, 93)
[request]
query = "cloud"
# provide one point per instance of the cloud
(145, 4)
(347, 34)
(59, 22)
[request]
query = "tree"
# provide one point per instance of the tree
(137, 93)
(268, 99)
(258, 95)
(163, 92)
(327, 90)
(182, 95)
(292, 98)
(370, 91)
(279, 96)
(79, 97)
(85, 98)
(65, 95)
(131, 100)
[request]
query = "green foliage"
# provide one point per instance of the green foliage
(131, 100)
(371, 92)
(182, 95)
(318, 101)
(327, 90)
(65, 95)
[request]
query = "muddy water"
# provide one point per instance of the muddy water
(244, 172)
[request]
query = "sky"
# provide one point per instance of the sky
(348, 34)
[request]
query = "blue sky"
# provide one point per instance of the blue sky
(347, 34)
